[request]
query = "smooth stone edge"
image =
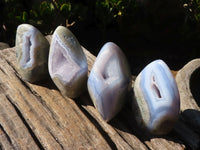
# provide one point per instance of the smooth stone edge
(29, 72)
(144, 122)
(77, 91)
(129, 86)
(139, 105)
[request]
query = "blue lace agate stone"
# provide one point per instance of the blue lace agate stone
(156, 102)
(109, 81)
(32, 50)
(67, 63)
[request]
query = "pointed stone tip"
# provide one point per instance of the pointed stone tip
(159, 61)
(59, 28)
(111, 46)
(24, 25)
(62, 29)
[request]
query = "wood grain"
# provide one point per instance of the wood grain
(183, 79)
(37, 116)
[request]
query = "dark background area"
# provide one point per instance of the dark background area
(144, 29)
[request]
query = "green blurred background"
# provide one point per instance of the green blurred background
(144, 29)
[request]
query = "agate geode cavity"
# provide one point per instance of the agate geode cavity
(109, 81)
(32, 51)
(67, 63)
(156, 102)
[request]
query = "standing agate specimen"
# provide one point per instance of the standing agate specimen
(156, 102)
(32, 51)
(109, 81)
(67, 63)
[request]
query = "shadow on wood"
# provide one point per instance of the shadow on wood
(38, 113)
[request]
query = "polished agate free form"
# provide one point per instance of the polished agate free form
(67, 63)
(32, 51)
(109, 81)
(156, 102)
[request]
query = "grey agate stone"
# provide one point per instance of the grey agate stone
(109, 81)
(157, 101)
(32, 51)
(67, 63)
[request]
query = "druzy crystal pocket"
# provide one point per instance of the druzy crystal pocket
(109, 81)
(32, 51)
(67, 63)
(156, 101)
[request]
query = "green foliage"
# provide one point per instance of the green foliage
(45, 15)
(66, 8)
(110, 11)
(53, 13)
(124, 15)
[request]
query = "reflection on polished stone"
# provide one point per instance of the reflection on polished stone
(109, 81)
(156, 98)
(32, 51)
(67, 63)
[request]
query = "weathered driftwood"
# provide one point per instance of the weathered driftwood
(188, 81)
(37, 116)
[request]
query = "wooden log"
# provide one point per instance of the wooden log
(56, 122)
(47, 120)
(188, 82)
(14, 132)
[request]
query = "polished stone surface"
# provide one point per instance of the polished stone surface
(32, 53)
(156, 98)
(109, 81)
(67, 63)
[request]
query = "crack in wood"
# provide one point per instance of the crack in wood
(128, 142)
(7, 136)
(55, 138)
(25, 123)
(42, 109)
(130, 126)
(42, 101)
(2, 70)
(98, 126)
(39, 98)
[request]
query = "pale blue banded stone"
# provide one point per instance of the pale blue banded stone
(109, 81)
(156, 101)
(32, 51)
(67, 63)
